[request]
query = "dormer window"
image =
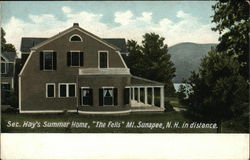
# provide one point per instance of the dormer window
(75, 38)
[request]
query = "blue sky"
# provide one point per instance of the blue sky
(181, 21)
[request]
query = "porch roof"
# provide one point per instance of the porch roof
(139, 81)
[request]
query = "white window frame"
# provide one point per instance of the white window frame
(75, 35)
(82, 96)
(71, 57)
(5, 70)
(99, 58)
(67, 90)
(47, 90)
(113, 98)
(50, 51)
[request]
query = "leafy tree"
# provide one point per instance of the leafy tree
(6, 47)
(218, 89)
(135, 58)
(181, 94)
(157, 63)
(232, 22)
(151, 60)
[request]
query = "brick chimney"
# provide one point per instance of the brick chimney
(75, 25)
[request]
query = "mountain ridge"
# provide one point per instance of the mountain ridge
(186, 57)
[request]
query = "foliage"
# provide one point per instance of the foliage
(6, 47)
(218, 89)
(151, 60)
(135, 58)
(232, 21)
(182, 96)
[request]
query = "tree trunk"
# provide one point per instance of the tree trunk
(219, 128)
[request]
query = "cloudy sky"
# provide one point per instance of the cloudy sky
(183, 21)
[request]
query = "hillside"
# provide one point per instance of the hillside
(187, 57)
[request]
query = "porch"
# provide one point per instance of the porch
(146, 95)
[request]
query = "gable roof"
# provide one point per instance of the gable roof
(29, 42)
(9, 56)
(74, 27)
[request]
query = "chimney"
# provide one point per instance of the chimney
(75, 25)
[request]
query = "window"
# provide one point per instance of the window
(48, 60)
(3, 68)
(75, 58)
(50, 90)
(86, 96)
(75, 38)
(67, 90)
(103, 59)
(107, 96)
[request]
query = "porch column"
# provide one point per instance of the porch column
(162, 97)
(146, 95)
(139, 94)
(153, 96)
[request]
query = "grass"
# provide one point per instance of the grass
(70, 117)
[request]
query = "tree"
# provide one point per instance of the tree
(232, 21)
(151, 60)
(6, 47)
(135, 58)
(157, 63)
(218, 89)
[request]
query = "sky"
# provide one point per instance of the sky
(176, 21)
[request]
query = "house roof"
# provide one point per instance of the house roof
(119, 42)
(9, 56)
(29, 42)
(139, 81)
(33, 43)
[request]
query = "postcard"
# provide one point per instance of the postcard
(120, 67)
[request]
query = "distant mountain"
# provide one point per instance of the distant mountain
(187, 57)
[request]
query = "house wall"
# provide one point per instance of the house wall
(33, 80)
(94, 82)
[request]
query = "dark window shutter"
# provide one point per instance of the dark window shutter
(115, 96)
(41, 60)
(100, 97)
(54, 60)
(69, 59)
(91, 97)
(126, 95)
(81, 59)
(80, 96)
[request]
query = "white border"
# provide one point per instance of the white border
(125, 146)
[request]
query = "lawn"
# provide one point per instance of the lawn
(109, 124)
